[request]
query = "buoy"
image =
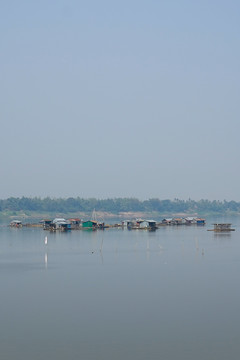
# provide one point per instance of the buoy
(46, 240)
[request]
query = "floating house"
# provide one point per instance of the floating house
(190, 220)
(75, 223)
(125, 223)
(178, 221)
(152, 225)
(16, 223)
(61, 224)
(148, 225)
(143, 225)
(200, 221)
(139, 222)
(167, 221)
(47, 224)
(130, 224)
(90, 224)
(222, 227)
(101, 225)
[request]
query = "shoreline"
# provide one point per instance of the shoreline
(102, 215)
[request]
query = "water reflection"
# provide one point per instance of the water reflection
(196, 244)
(222, 235)
(46, 260)
(119, 295)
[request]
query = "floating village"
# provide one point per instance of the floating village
(62, 224)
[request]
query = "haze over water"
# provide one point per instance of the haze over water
(118, 294)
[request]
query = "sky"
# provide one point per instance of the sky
(106, 99)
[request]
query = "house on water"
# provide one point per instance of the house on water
(47, 224)
(152, 225)
(16, 223)
(222, 227)
(200, 221)
(89, 224)
(61, 224)
(75, 223)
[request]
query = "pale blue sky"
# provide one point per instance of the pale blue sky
(120, 99)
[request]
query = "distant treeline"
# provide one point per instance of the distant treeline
(117, 205)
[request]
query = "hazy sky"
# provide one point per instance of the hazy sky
(120, 98)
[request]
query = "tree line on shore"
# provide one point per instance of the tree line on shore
(116, 205)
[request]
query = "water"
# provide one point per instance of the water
(119, 294)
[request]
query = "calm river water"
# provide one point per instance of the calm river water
(119, 294)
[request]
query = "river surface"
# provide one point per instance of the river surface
(120, 295)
